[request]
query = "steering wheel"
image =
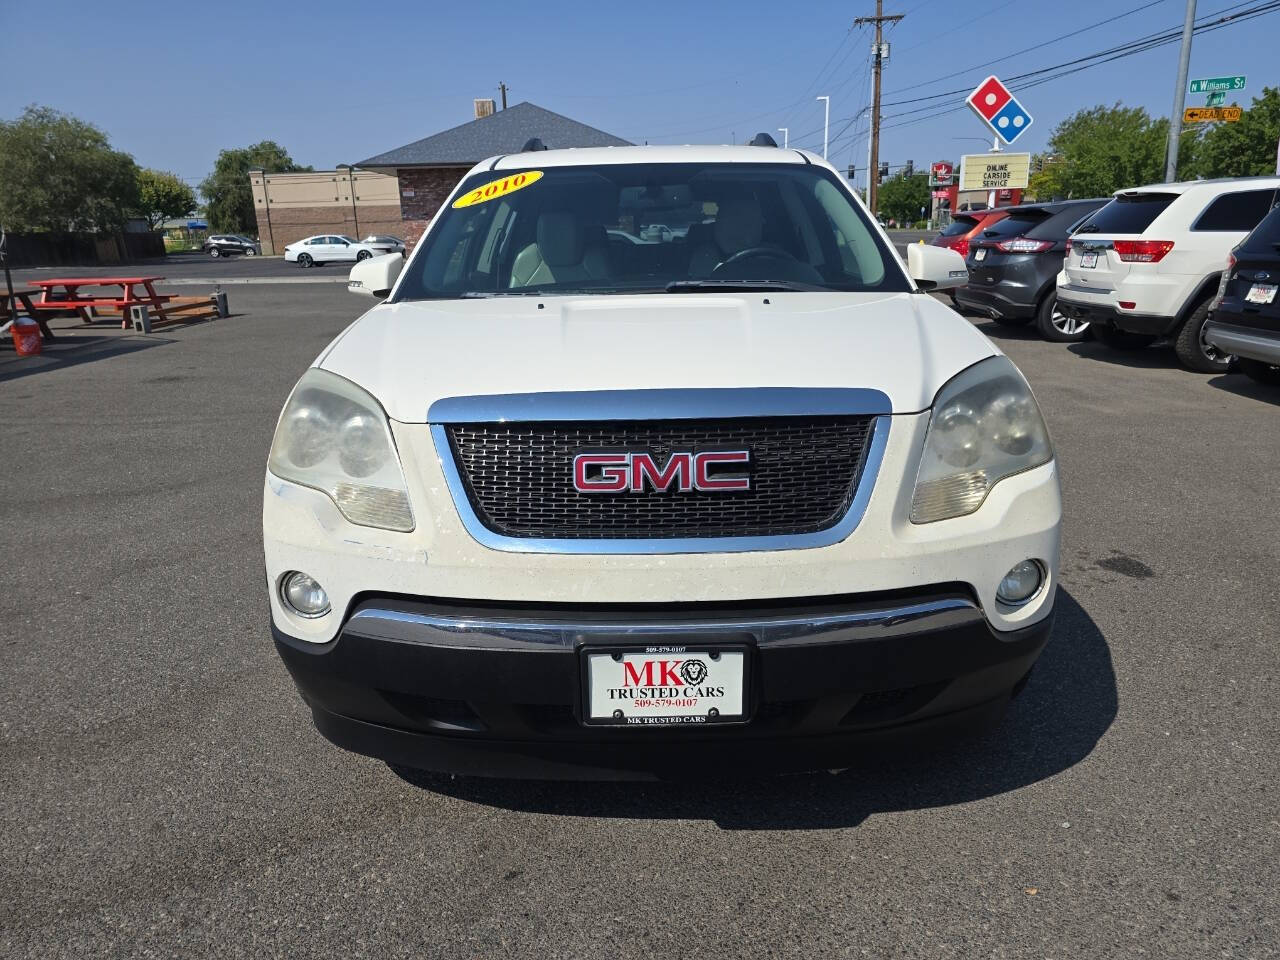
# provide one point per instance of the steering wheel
(777, 253)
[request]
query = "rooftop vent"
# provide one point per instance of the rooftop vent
(484, 108)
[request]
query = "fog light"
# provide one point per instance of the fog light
(303, 595)
(1021, 583)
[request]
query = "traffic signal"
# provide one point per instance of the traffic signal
(910, 168)
(884, 170)
(852, 170)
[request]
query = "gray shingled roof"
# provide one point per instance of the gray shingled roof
(505, 131)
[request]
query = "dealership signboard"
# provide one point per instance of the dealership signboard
(995, 171)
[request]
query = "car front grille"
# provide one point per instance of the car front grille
(519, 477)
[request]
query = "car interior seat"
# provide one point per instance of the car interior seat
(739, 226)
(564, 252)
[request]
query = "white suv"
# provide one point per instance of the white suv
(743, 494)
(1148, 264)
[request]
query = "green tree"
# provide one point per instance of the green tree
(162, 196)
(60, 173)
(1246, 148)
(228, 199)
(900, 198)
(1104, 149)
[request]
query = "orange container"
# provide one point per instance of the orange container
(26, 337)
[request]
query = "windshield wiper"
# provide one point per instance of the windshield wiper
(735, 286)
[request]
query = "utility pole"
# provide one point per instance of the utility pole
(1180, 95)
(873, 185)
(826, 123)
(502, 89)
(351, 185)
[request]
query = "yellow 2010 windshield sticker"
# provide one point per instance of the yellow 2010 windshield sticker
(498, 188)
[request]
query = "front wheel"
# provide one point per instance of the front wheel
(250, 252)
(1266, 373)
(1109, 336)
(363, 255)
(1193, 350)
(1056, 326)
(304, 260)
(215, 253)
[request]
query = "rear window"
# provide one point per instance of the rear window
(1129, 214)
(1014, 225)
(1266, 237)
(959, 226)
(1242, 210)
(1058, 226)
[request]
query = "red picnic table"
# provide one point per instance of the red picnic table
(64, 293)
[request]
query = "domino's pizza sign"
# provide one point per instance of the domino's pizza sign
(999, 109)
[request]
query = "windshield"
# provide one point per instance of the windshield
(637, 228)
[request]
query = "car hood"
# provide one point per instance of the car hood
(409, 355)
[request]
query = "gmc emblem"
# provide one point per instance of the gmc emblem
(636, 472)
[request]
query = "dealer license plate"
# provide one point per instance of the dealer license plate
(1089, 260)
(665, 685)
(1262, 293)
(980, 254)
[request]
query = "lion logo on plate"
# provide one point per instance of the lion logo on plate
(693, 671)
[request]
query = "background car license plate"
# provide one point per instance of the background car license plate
(1088, 260)
(980, 254)
(661, 685)
(1262, 293)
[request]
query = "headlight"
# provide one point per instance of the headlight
(334, 437)
(985, 426)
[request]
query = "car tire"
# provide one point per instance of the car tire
(1055, 326)
(1193, 351)
(1109, 336)
(215, 253)
(1012, 321)
(1266, 373)
(304, 260)
(363, 255)
(249, 252)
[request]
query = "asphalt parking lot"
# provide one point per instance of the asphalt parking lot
(163, 792)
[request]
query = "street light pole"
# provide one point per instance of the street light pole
(1180, 95)
(351, 184)
(826, 123)
(786, 136)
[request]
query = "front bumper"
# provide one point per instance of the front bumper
(1252, 343)
(496, 690)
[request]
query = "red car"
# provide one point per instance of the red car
(964, 227)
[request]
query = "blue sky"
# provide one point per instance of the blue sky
(172, 83)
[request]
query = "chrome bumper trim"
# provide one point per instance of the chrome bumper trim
(455, 630)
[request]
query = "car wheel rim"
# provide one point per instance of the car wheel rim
(1067, 325)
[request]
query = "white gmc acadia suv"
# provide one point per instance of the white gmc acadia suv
(1148, 264)
(742, 495)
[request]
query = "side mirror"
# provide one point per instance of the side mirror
(936, 268)
(375, 276)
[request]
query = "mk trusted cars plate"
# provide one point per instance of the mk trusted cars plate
(1262, 293)
(657, 685)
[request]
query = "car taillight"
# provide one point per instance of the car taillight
(1023, 245)
(1068, 246)
(1222, 284)
(962, 247)
(1142, 251)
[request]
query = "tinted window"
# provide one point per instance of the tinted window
(1266, 237)
(638, 228)
(1058, 226)
(1013, 225)
(959, 226)
(1242, 210)
(1129, 214)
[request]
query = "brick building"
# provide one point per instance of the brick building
(427, 170)
(290, 206)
